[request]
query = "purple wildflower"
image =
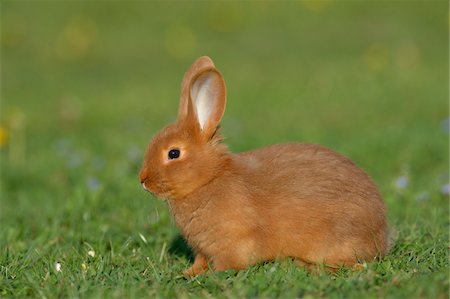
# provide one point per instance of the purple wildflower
(445, 190)
(402, 182)
(93, 183)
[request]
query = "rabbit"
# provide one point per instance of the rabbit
(299, 201)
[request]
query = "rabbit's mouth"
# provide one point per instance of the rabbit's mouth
(147, 189)
(161, 195)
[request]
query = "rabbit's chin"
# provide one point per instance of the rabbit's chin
(164, 196)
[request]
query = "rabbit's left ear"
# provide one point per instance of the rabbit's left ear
(199, 66)
(207, 97)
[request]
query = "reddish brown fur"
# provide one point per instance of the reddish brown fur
(287, 200)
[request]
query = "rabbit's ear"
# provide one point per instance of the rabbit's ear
(207, 99)
(196, 68)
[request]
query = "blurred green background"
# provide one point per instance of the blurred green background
(85, 85)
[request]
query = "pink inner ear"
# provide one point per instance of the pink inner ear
(204, 97)
(199, 65)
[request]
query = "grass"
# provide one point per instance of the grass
(85, 85)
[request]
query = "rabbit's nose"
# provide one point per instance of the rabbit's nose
(143, 175)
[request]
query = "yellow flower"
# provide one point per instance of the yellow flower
(3, 136)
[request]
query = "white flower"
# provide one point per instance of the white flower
(58, 267)
(91, 253)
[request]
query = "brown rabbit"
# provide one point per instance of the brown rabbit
(286, 200)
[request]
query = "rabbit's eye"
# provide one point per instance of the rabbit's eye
(173, 154)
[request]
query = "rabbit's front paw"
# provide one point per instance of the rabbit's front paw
(199, 267)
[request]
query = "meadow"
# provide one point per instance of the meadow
(85, 85)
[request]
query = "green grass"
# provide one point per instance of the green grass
(84, 86)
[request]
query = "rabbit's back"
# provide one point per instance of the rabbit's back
(315, 203)
(310, 169)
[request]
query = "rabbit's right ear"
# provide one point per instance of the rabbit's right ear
(197, 67)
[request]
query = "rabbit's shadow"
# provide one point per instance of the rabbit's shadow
(179, 247)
